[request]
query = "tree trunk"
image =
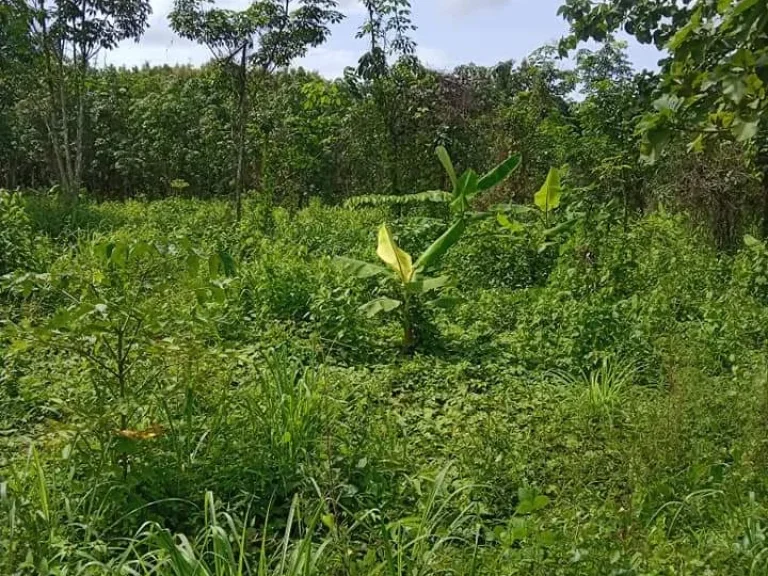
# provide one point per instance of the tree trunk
(761, 162)
(765, 202)
(69, 183)
(53, 122)
(241, 126)
(80, 130)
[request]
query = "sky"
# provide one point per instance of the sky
(450, 33)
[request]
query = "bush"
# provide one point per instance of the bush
(16, 237)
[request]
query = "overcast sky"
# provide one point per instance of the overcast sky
(450, 32)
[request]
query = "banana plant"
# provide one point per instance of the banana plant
(545, 202)
(412, 282)
(464, 188)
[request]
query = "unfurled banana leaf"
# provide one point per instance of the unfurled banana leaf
(393, 256)
(435, 196)
(424, 285)
(445, 160)
(548, 198)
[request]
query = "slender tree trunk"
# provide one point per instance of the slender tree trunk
(53, 122)
(80, 130)
(241, 120)
(761, 163)
(765, 201)
(69, 187)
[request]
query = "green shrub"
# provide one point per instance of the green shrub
(16, 236)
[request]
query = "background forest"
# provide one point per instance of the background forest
(495, 320)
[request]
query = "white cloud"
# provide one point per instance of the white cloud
(433, 58)
(351, 7)
(327, 62)
(467, 6)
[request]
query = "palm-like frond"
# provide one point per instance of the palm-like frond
(436, 196)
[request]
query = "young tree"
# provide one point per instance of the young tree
(68, 35)
(387, 28)
(17, 62)
(268, 34)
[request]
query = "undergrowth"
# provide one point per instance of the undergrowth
(181, 395)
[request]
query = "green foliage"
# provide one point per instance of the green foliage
(574, 393)
(595, 402)
(751, 269)
(714, 80)
(16, 237)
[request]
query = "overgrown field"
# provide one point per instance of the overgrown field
(183, 395)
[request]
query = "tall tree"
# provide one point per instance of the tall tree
(387, 28)
(69, 34)
(268, 34)
(714, 82)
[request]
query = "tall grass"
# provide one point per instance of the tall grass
(604, 388)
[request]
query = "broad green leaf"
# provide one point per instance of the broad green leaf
(744, 5)
(562, 227)
(697, 146)
(735, 88)
(379, 305)
(358, 268)
(143, 249)
(743, 130)
(119, 254)
(668, 103)
(499, 174)
(684, 32)
(654, 140)
(393, 256)
(512, 225)
(445, 160)
(441, 245)
(548, 198)
(434, 283)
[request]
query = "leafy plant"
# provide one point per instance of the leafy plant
(546, 201)
(412, 284)
(412, 545)
(179, 186)
(465, 187)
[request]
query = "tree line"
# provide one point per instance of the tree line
(686, 136)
